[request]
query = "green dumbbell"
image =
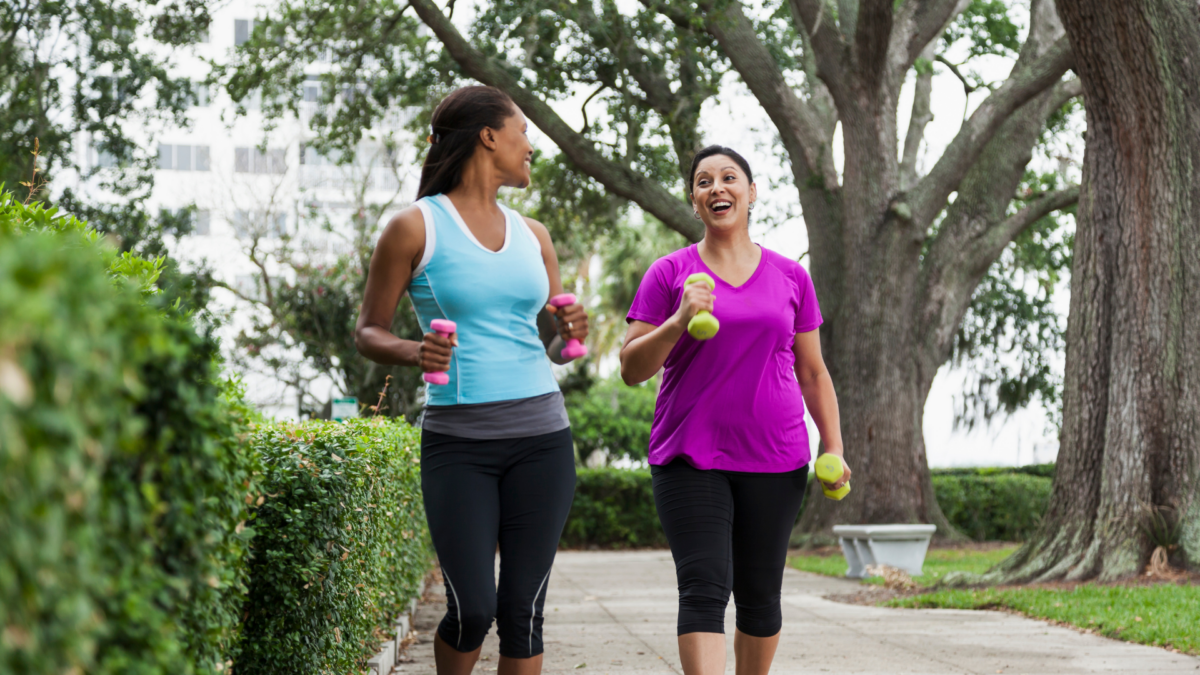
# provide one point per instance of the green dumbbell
(704, 325)
(830, 470)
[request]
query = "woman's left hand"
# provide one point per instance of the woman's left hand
(572, 321)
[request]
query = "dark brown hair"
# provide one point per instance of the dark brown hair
(456, 123)
(717, 150)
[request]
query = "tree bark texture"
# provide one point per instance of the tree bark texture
(891, 301)
(1131, 410)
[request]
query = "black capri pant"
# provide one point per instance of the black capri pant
(515, 492)
(728, 531)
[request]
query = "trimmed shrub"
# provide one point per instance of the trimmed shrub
(340, 546)
(1041, 470)
(121, 484)
(998, 507)
(613, 508)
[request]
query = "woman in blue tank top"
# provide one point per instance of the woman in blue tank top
(497, 458)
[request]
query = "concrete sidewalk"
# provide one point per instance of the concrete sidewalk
(610, 612)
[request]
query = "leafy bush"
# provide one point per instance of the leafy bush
(341, 544)
(612, 417)
(1042, 470)
(998, 507)
(613, 508)
(121, 484)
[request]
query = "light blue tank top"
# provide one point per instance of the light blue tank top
(494, 297)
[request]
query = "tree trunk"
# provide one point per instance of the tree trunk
(1130, 441)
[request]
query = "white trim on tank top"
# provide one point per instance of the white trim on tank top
(449, 206)
(430, 237)
(524, 226)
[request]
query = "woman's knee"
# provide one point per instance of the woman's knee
(465, 627)
(759, 616)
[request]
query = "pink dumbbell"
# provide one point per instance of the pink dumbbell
(574, 348)
(443, 327)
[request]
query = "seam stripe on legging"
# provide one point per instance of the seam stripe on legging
(457, 607)
(533, 610)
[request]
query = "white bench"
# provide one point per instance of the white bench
(900, 546)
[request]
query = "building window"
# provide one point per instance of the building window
(253, 160)
(242, 28)
(203, 223)
(183, 157)
(200, 97)
(261, 223)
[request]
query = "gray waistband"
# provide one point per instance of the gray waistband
(517, 418)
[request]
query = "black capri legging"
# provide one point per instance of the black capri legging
(728, 530)
(516, 492)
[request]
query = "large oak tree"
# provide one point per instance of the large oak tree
(896, 254)
(1129, 462)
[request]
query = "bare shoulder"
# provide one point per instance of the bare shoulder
(538, 229)
(543, 236)
(403, 238)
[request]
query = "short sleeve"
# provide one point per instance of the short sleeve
(808, 313)
(655, 300)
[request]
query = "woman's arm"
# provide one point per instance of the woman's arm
(400, 247)
(572, 320)
(647, 346)
(819, 396)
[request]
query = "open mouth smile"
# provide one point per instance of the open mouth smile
(720, 207)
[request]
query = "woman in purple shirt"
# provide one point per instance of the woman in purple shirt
(729, 448)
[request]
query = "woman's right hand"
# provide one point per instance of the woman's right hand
(697, 297)
(433, 355)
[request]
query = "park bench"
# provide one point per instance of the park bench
(899, 546)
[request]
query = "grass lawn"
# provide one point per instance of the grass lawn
(1166, 615)
(938, 562)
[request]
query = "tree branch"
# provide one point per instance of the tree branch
(920, 117)
(871, 40)
(831, 50)
(1039, 208)
(967, 86)
(797, 124)
(622, 181)
(930, 194)
(929, 21)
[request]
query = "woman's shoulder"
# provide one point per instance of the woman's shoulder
(790, 268)
(671, 263)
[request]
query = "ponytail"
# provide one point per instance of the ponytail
(456, 123)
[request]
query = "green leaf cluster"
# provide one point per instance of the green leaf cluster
(341, 544)
(613, 508)
(122, 483)
(612, 417)
(995, 507)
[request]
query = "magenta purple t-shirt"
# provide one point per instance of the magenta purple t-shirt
(732, 402)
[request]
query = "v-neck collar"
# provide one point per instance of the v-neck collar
(449, 205)
(762, 259)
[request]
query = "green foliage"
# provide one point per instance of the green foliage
(1163, 615)
(988, 28)
(1013, 336)
(308, 327)
(1040, 470)
(123, 485)
(612, 417)
(613, 508)
(341, 544)
(999, 507)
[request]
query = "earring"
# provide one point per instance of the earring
(696, 215)
(751, 207)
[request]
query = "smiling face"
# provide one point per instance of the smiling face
(511, 150)
(722, 193)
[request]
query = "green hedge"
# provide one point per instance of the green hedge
(998, 507)
(614, 508)
(340, 546)
(121, 484)
(131, 487)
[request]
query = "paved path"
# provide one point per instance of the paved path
(614, 613)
